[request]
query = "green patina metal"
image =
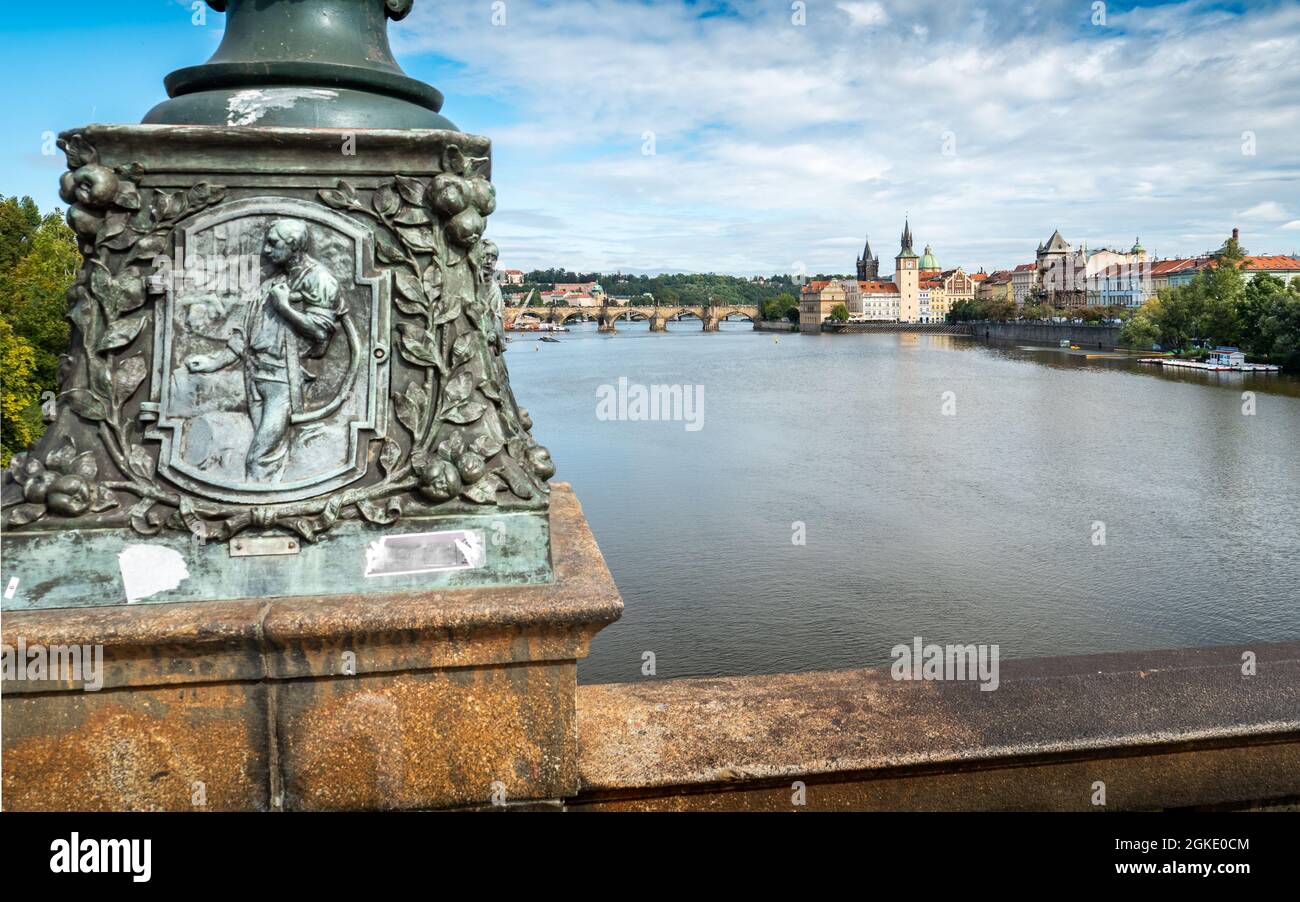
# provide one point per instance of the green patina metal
(302, 63)
(345, 384)
(113, 566)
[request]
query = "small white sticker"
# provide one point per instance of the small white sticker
(426, 552)
(150, 569)
(12, 587)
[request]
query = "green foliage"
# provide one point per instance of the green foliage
(38, 261)
(675, 288)
(968, 310)
(1219, 307)
(840, 313)
(20, 422)
(781, 307)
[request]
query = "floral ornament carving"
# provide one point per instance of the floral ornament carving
(469, 438)
(469, 444)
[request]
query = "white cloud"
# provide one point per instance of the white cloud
(775, 141)
(1266, 210)
(865, 14)
(1292, 226)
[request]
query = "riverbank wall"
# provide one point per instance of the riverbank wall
(1085, 336)
(775, 326)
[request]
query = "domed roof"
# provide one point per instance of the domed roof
(1137, 247)
(928, 260)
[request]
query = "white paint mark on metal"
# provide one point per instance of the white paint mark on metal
(150, 569)
(246, 107)
(11, 588)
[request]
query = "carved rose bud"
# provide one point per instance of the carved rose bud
(472, 467)
(541, 462)
(439, 480)
(449, 194)
(465, 228)
(96, 185)
(68, 496)
(84, 223)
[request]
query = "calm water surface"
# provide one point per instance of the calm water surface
(973, 528)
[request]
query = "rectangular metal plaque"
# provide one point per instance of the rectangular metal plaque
(426, 552)
(258, 545)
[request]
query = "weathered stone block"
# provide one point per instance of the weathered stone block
(432, 739)
(193, 747)
(403, 700)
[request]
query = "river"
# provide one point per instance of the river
(1051, 504)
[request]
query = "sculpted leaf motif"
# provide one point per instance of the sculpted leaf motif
(389, 457)
(85, 466)
(128, 196)
(61, 456)
(410, 293)
(412, 190)
(130, 373)
(341, 198)
(101, 377)
(410, 406)
(26, 513)
(446, 309)
(412, 216)
(387, 248)
(103, 499)
(417, 238)
(119, 294)
(453, 160)
(458, 388)
(84, 404)
(486, 446)
(431, 281)
(114, 223)
(462, 350)
(465, 413)
(417, 345)
(120, 334)
(517, 479)
(148, 247)
(385, 200)
(140, 462)
(485, 490)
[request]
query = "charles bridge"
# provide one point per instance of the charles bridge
(607, 316)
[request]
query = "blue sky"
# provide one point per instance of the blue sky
(776, 144)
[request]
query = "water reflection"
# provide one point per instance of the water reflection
(974, 527)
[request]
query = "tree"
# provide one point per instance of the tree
(840, 313)
(33, 294)
(1139, 332)
(780, 306)
(38, 261)
(20, 420)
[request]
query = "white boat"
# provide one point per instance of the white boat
(1212, 367)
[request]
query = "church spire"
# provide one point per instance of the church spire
(868, 265)
(907, 235)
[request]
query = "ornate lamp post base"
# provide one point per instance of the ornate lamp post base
(288, 500)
